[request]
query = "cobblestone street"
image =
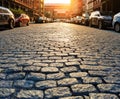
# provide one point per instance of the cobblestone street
(59, 61)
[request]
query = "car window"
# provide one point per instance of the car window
(85, 15)
(4, 11)
(107, 13)
(97, 14)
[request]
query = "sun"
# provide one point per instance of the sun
(58, 1)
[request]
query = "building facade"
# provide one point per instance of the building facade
(97, 5)
(112, 6)
(57, 11)
(76, 7)
(31, 7)
(84, 5)
(90, 6)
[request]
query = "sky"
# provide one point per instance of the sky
(57, 1)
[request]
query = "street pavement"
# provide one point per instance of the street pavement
(59, 61)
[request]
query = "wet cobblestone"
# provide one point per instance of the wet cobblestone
(59, 61)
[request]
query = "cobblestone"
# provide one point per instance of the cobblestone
(57, 92)
(32, 69)
(102, 96)
(92, 80)
(46, 84)
(69, 69)
(35, 76)
(6, 92)
(57, 65)
(24, 84)
(111, 79)
(79, 74)
(14, 70)
(73, 97)
(6, 84)
(49, 70)
(99, 68)
(59, 61)
(83, 88)
(40, 64)
(30, 94)
(99, 73)
(67, 82)
(16, 76)
(72, 63)
(114, 88)
(2, 76)
(55, 76)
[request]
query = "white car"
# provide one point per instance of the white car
(116, 22)
(6, 18)
(100, 19)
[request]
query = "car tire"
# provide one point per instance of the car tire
(117, 27)
(11, 24)
(100, 25)
(86, 23)
(27, 23)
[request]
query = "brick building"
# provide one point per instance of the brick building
(104, 5)
(76, 7)
(31, 7)
(57, 11)
(90, 6)
(111, 5)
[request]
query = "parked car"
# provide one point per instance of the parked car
(6, 17)
(85, 19)
(100, 19)
(40, 20)
(22, 20)
(116, 22)
(77, 20)
(49, 20)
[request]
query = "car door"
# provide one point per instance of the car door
(5, 17)
(1, 17)
(96, 17)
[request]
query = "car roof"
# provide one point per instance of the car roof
(1, 7)
(118, 14)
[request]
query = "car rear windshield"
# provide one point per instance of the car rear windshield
(106, 13)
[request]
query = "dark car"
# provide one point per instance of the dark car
(85, 19)
(6, 17)
(40, 19)
(100, 19)
(116, 22)
(22, 20)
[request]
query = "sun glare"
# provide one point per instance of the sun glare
(58, 1)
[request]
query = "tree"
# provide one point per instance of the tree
(47, 14)
(17, 11)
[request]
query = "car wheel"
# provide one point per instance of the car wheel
(100, 25)
(117, 27)
(11, 24)
(27, 23)
(86, 23)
